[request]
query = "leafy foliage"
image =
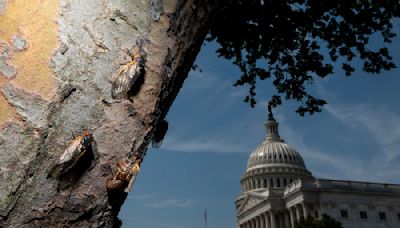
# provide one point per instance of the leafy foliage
(286, 41)
(325, 222)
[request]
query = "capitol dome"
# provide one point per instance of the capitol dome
(273, 164)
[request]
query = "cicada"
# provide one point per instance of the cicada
(125, 176)
(76, 150)
(127, 75)
(121, 178)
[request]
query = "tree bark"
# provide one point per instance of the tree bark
(58, 60)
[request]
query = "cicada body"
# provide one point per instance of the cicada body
(78, 148)
(115, 185)
(127, 76)
(125, 176)
(121, 177)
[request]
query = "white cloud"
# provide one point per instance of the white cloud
(151, 223)
(380, 122)
(203, 144)
(383, 125)
(135, 196)
(343, 165)
(168, 203)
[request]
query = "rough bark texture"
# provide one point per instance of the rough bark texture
(57, 59)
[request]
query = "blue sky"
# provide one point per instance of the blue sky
(212, 132)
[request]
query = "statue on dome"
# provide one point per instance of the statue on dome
(270, 115)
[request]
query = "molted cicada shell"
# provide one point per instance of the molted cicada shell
(76, 150)
(125, 176)
(127, 76)
(121, 178)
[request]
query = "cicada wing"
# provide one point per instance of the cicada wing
(70, 152)
(126, 78)
(121, 84)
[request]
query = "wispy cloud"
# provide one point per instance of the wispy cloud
(152, 223)
(343, 165)
(203, 144)
(172, 202)
(382, 124)
(135, 196)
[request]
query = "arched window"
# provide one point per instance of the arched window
(284, 182)
(271, 183)
(278, 182)
(265, 183)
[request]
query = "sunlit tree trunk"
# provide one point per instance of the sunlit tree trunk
(58, 61)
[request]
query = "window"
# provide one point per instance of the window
(363, 215)
(278, 182)
(265, 183)
(259, 183)
(398, 216)
(284, 182)
(291, 180)
(382, 215)
(271, 183)
(344, 213)
(316, 214)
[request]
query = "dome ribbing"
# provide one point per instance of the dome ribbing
(273, 164)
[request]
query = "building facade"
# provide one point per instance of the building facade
(278, 189)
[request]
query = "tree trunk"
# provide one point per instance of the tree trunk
(58, 63)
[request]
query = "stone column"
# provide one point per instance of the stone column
(287, 220)
(292, 216)
(266, 220)
(272, 217)
(297, 211)
(305, 210)
(281, 222)
(262, 221)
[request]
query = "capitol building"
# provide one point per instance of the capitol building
(278, 189)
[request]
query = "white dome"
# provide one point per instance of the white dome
(270, 154)
(273, 164)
